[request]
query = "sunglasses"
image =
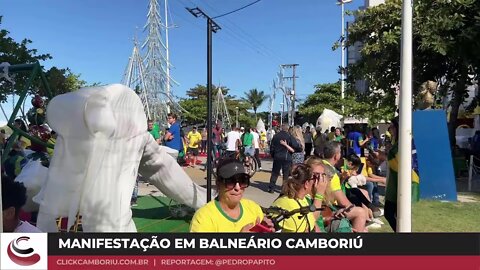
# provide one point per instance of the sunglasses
(242, 180)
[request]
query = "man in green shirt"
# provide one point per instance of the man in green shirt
(247, 142)
(153, 129)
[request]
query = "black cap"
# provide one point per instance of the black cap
(230, 169)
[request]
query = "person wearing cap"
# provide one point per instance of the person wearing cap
(229, 211)
(194, 138)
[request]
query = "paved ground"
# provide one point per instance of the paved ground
(256, 191)
(259, 184)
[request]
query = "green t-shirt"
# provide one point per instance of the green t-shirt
(247, 139)
(155, 132)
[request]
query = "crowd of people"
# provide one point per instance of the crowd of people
(333, 171)
(340, 173)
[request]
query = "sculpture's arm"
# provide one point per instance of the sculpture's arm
(163, 171)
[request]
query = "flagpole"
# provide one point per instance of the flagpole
(404, 195)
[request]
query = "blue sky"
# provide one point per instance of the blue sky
(94, 38)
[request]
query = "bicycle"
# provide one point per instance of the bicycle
(330, 220)
(249, 162)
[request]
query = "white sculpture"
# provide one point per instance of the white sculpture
(329, 119)
(102, 144)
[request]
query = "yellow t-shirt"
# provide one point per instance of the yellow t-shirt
(369, 171)
(194, 139)
(297, 222)
(211, 217)
(263, 136)
(26, 143)
(364, 169)
(335, 182)
(50, 150)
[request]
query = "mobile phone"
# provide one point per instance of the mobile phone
(260, 228)
(348, 208)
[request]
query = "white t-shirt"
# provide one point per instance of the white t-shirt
(232, 138)
(25, 227)
(256, 140)
(270, 134)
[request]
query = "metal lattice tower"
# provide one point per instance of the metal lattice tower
(273, 88)
(286, 94)
(149, 74)
(220, 110)
(156, 62)
(134, 77)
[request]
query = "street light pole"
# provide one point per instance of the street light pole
(236, 121)
(283, 110)
(212, 26)
(342, 38)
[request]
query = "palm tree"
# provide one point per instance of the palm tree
(255, 98)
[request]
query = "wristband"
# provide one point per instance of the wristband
(319, 197)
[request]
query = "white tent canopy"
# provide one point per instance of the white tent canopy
(260, 125)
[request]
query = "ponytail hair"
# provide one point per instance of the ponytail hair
(300, 174)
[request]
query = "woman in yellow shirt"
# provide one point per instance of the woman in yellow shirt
(303, 182)
(229, 212)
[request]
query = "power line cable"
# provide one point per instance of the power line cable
(237, 38)
(250, 39)
(238, 9)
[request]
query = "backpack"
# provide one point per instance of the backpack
(341, 225)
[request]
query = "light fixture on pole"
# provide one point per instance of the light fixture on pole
(236, 121)
(283, 111)
(342, 39)
(212, 27)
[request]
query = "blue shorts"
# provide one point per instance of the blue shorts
(249, 150)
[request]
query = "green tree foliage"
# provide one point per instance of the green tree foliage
(197, 92)
(446, 41)
(328, 96)
(16, 53)
(255, 98)
(60, 80)
(196, 105)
